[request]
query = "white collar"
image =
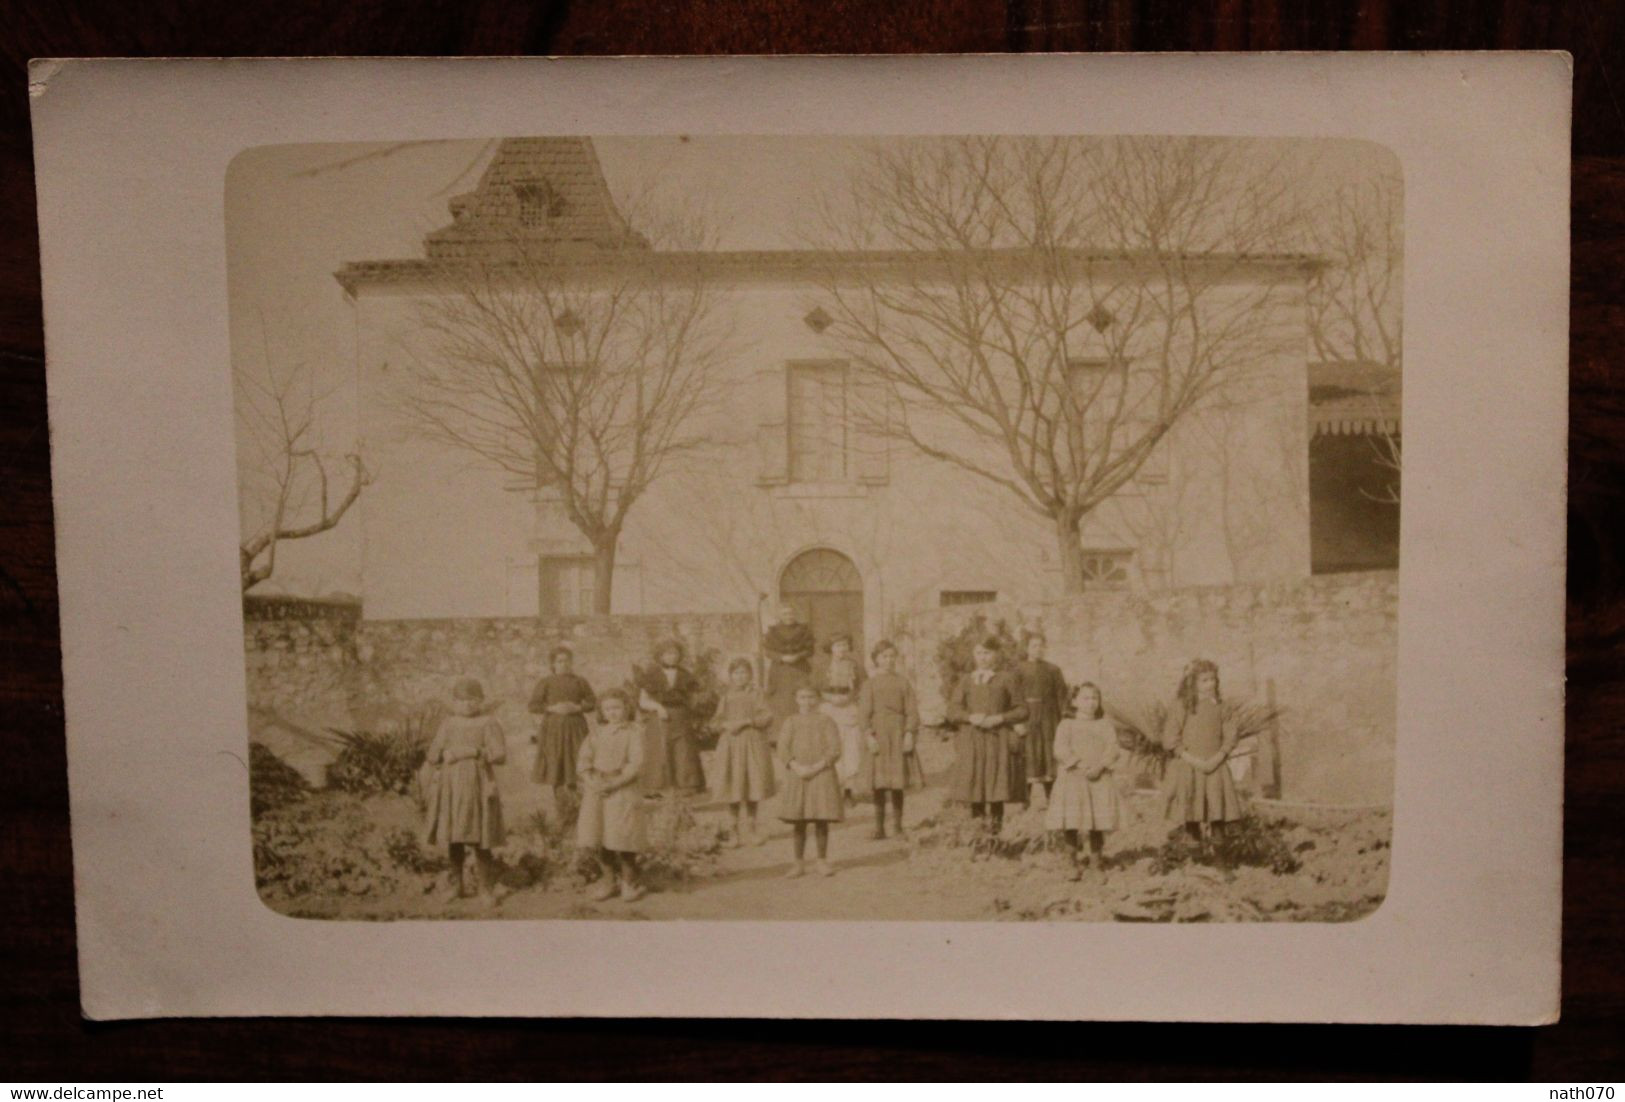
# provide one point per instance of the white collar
(982, 677)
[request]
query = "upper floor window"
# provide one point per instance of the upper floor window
(820, 422)
(1095, 385)
(951, 597)
(821, 426)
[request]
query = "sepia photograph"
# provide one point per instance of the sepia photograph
(922, 528)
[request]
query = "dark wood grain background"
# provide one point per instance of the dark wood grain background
(43, 1035)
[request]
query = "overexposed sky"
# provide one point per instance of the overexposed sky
(295, 214)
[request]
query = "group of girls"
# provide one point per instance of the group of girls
(818, 743)
(603, 763)
(813, 745)
(1021, 727)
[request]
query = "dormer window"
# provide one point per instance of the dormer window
(539, 202)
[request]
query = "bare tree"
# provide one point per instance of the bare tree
(1386, 444)
(1354, 303)
(287, 491)
(1056, 306)
(580, 371)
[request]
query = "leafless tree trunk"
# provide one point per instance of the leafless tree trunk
(580, 372)
(287, 491)
(1056, 305)
(1355, 303)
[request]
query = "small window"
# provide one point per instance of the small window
(1154, 470)
(539, 202)
(1106, 569)
(1094, 381)
(566, 585)
(952, 597)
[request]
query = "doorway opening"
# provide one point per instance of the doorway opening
(826, 590)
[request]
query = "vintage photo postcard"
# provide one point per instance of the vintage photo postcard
(716, 539)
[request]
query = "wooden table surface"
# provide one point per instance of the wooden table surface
(42, 1036)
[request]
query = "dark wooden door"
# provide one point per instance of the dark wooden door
(826, 590)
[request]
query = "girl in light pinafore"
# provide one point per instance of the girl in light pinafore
(610, 823)
(462, 808)
(839, 685)
(744, 757)
(1085, 800)
(1198, 788)
(809, 748)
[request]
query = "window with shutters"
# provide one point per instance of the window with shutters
(821, 429)
(1095, 386)
(566, 585)
(557, 390)
(820, 422)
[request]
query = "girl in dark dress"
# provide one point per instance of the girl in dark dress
(563, 699)
(1043, 690)
(789, 647)
(666, 693)
(987, 770)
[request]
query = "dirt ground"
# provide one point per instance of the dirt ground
(357, 859)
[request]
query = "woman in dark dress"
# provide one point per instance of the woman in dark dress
(1043, 690)
(789, 646)
(987, 770)
(563, 699)
(667, 693)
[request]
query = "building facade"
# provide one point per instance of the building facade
(798, 498)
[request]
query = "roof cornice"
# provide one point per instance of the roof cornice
(789, 266)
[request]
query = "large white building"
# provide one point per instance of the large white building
(797, 501)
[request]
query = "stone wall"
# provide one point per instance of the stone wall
(307, 675)
(1323, 649)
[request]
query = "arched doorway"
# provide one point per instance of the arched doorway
(826, 590)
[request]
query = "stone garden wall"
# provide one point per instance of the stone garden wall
(1323, 650)
(305, 676)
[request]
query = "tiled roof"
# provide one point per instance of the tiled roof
(1353, 397)
(545, 191)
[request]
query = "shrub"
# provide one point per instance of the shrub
(385, 761)
(272, 782)
(334, 845)
(681, 846)
(1139, 731)
(540, 851)
(1254, 843)
(955, 828)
